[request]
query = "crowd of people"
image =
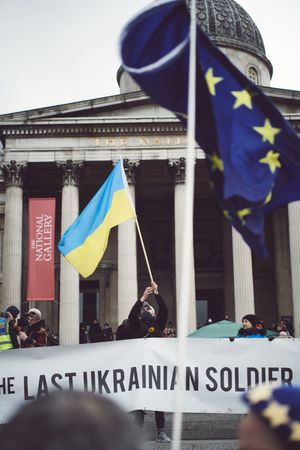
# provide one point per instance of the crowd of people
(253, 327)
(94, 333)
(143, 321)
(31, 330)
(27, 332)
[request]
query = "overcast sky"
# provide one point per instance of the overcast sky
(60, 51)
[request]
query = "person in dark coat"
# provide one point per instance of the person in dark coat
(144, 322)
(123, 331)
(108, 332)
(36, 334)
(83, 334)
(95, 332)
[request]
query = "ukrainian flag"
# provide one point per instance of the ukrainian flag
(84, 242)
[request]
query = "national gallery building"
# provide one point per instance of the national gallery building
(67, 151)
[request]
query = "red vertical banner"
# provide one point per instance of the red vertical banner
(41, 237)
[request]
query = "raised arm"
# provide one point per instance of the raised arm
(162, 315)
(133, 317)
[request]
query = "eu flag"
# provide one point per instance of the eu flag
(252, 152)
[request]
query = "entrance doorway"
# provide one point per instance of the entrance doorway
(89, 302)
(210, 305)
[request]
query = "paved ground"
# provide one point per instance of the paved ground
(196, 445)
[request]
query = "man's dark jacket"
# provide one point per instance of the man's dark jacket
(138, 328)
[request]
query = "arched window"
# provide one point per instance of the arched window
(253, 74)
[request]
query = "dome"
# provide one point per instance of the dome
(231, 28)
(228, 24)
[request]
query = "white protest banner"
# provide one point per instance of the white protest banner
(141, 373)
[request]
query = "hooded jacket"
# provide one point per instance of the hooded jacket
(154, 328)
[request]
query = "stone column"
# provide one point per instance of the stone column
(106, 296)
(228, 269)
(282, 262)
(69, 277)
(12, 242)
(127, 256)
(178, 167)
(294, 230)
(243, 277)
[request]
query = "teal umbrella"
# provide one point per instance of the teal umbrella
(222, 329)
(271, 333)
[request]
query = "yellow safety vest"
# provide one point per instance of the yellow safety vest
(5, 341)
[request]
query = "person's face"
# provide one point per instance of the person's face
(254, 434)
(246, 324)
(32, 317)
(150, 310)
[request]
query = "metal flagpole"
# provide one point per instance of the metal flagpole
(187, 244)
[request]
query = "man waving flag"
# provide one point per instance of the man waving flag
(253, 154)
(84, 242)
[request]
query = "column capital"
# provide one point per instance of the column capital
(178, 170)
(71, 171)
(13, 173)
(130, 167)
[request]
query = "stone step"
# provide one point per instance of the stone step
(210, 444)
(197, 427)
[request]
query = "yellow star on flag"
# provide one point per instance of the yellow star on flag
(212, 81)
(242, 98)
(243, 213)
(227, 214)
(272, 159)
(268, 132)
(268, 198)
(277, 414)
(216, 162)
(295, 435)
(260, 394)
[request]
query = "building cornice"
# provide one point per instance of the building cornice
(83, 107)
(99, 126)
(283, 95)
(92, 107)
(86, 127)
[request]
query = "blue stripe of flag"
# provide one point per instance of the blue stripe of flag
(93, 214)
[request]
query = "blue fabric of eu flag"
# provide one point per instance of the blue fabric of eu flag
(252, 152)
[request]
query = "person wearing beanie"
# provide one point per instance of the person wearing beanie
(14, 311)
(273, 420)
(36, 334)
(252, 327)
(8, 329)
